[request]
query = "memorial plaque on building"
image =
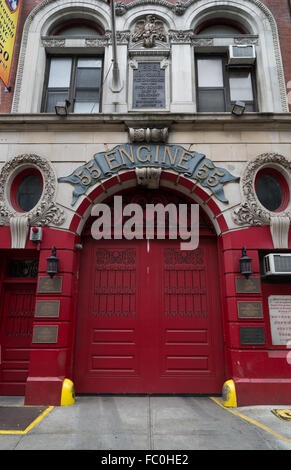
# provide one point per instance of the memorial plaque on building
(47, 285)
(254, 335)
(149, 86)
(280, 319)
(47, 309)
(248, 286)
(250, 309)
(45, 334)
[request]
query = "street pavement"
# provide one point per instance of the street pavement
(151, 423)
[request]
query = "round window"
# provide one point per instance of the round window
(26, 190)
(272, 190)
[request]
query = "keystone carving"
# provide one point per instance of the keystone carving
(148, 177)
(120, 8)
(148, 135)
(179, 8)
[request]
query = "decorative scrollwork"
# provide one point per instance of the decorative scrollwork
(46, 211)
(174, 257)
(250, 211)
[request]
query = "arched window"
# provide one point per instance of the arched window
(220, 27)
(222, 80)
(74, 79)
(75, 28)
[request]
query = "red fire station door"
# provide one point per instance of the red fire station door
(17, 311)
(149, 318)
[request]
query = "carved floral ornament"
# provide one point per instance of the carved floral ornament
(250, 211)
(46, 211)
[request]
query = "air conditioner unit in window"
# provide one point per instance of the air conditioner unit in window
(244, 54)
(277, 264)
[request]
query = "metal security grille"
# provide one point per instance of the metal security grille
(115, 283)
(185, 284)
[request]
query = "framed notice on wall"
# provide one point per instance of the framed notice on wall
(280, 318)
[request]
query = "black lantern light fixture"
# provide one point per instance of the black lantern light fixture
(245, 264)
(238, 108)
(52, 263)
(62, 107)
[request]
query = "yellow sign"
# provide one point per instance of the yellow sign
(9, 15)
(283, 414)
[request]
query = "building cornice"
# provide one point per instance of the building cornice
(116, 122)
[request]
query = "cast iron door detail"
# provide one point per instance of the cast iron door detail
(149, 318)
(15, 339)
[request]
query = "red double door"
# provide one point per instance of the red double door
(149, 318)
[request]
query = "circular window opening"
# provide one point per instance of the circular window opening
(272, 190)
(26, 190)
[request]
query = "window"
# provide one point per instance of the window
(220, 85)
(26, 190)
(74, 78)
(272, 189)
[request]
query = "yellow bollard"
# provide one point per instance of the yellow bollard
(229, 394)
(68, 393)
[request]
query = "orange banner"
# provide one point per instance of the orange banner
(9, 15)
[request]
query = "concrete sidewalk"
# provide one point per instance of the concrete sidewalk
(152, 423)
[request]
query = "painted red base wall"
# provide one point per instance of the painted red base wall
(261, 372)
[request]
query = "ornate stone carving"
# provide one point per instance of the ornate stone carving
(242, 40)
(120, 8)
(149, 30)
(148, 135)
(202, 41)
(250, 211)
(100, 41)
(51, 41)
(46, 211)
(180, 36)
(148, 177)
(122, 37)
(179, 8)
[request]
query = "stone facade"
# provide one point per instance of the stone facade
(164, 33)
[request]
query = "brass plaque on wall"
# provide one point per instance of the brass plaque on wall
(252, 335)
(250, 310)
(248, 286)
(45, 334)
(47, 309)
(47, 285)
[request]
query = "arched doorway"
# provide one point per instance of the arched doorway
(149, 316)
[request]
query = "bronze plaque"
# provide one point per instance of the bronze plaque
(45, 334)
(47, 285)
(248, 286)
(250, 310)
(149, 86)
(47, 309)
(254, 335)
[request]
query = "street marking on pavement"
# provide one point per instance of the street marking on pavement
(252, 421)
(36, 421)
(282, 414)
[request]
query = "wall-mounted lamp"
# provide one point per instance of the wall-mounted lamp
(238, 108)
(62, 107)
(52, 263)
(245, 264)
